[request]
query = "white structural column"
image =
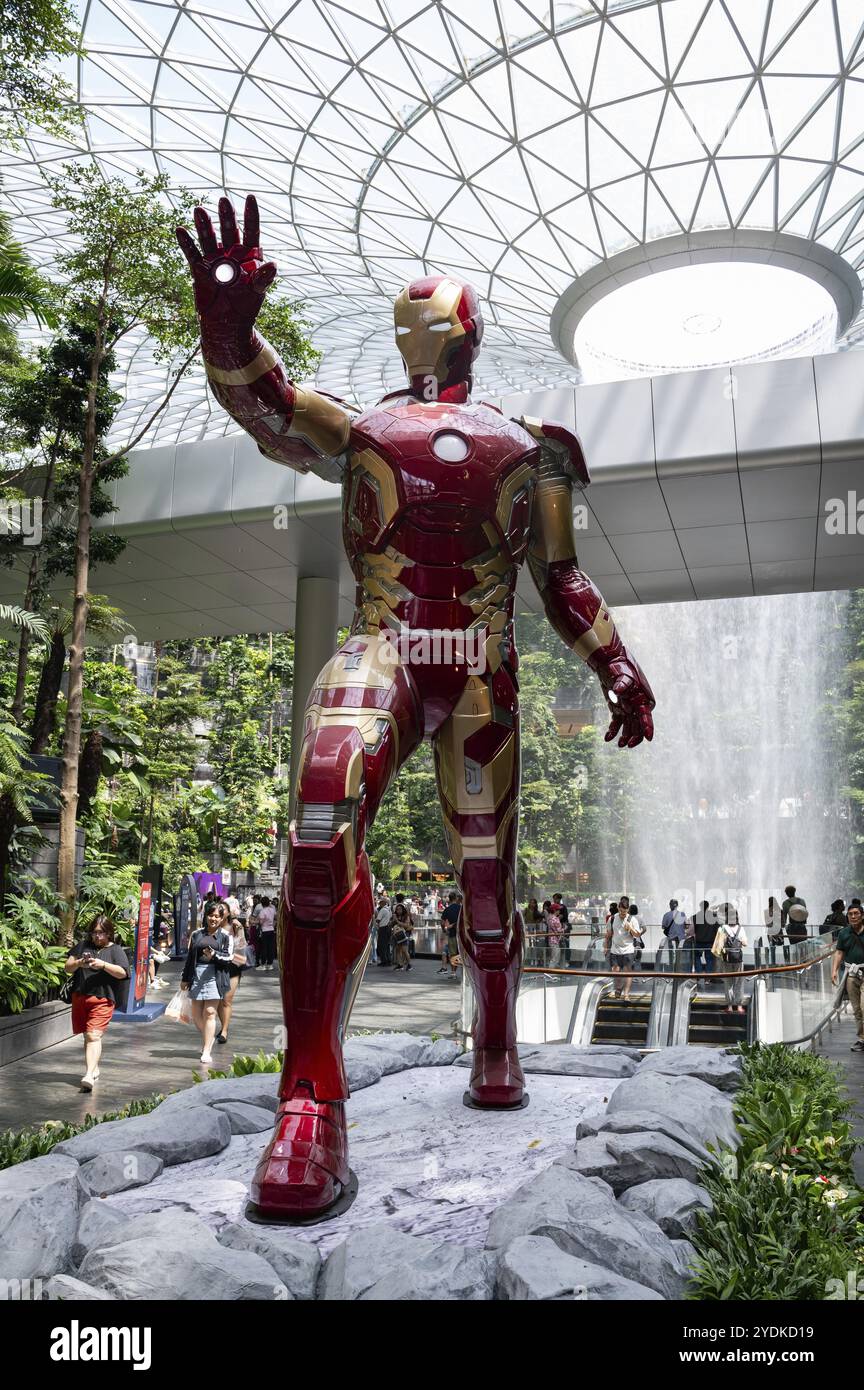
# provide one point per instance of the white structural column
(315, 628)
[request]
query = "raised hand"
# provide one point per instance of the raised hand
(230, 277)
(630, 700)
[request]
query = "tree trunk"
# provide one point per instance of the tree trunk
(89, 772)
(75, 699)
(7, 830)
(32, 575)
(45, 709)
(21, 669)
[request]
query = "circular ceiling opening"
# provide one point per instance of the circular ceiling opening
(708, 315)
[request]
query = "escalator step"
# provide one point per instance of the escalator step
(618, 1030)
(727, 1036)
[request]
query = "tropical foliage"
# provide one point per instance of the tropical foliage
(788, 1218)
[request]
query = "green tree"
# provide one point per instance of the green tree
(34, 34)
(124, 274)
(43, 414)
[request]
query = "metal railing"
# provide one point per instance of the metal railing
(791, 1002)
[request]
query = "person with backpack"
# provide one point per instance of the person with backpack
(794, 915)
(402, 933)
(98, 967)
(450, 922)
(672, 925)
(732, 960)
(639, 941)
(835, 921)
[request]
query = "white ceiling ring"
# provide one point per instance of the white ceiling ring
(807, 258)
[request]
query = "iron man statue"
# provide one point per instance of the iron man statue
(444, 499)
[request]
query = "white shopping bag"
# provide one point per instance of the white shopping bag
(180, 1008)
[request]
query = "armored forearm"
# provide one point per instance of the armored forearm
(577, 611)
(290, 424)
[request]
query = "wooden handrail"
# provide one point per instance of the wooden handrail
(676, 974)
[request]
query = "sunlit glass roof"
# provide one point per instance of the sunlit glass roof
(706, 315)
(518, 145)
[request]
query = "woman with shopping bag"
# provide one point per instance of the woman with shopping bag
(206, 977)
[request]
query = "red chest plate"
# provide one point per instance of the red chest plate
(447, 472)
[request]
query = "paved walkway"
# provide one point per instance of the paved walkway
(836, 1046)
(140, 1058)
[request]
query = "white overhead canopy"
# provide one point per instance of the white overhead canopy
(521, 145)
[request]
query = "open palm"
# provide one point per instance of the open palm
(230, 276)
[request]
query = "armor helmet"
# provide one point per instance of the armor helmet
(439, 329)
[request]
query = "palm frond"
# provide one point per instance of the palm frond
(11, 614)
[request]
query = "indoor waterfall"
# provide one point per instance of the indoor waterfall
(741, 792)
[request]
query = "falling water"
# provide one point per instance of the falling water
(740, 794)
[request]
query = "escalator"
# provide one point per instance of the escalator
(622, 1021)
(710, 1025)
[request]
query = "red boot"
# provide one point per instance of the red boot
(494, 967)
(303, 1172)
(497, 1079)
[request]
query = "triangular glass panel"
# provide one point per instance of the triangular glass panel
(620, 72)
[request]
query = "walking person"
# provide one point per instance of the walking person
(97, 965)
(384, 921)
(266, 953)
(402, 934)
(850, 952)
(236, 968)
(554, 932)
(205, 973)
(564, 915)
(704, 932)
(672, 925)
(621, 934)
(450, 921)
(639, 940)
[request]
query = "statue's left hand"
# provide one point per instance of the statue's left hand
(630, 700)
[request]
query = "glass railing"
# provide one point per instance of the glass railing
(787, 992)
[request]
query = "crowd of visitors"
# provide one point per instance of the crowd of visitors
(236, 936)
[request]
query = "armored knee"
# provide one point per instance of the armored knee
(326, 834)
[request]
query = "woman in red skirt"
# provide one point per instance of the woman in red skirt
(98, 965)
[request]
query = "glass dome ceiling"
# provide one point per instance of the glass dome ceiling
(514, 143)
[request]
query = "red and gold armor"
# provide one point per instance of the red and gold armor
(443, 501)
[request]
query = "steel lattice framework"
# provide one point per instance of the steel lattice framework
(518, 144)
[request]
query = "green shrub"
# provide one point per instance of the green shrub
(787, 1215)
(245, 1066)
(29, 969)
(19, 1145)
